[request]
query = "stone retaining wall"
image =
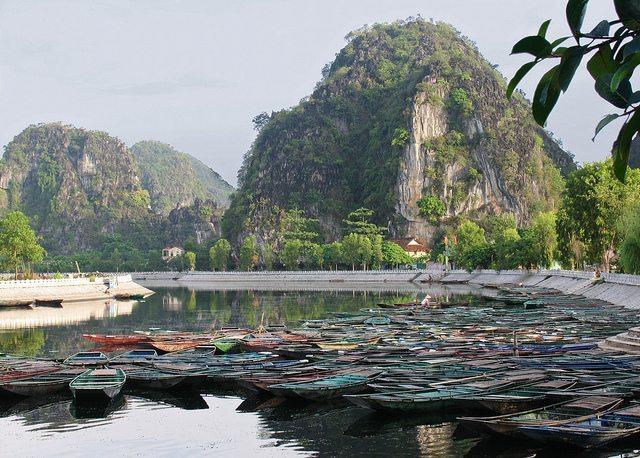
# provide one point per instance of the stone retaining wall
(68, 289)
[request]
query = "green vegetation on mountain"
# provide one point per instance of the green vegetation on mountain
(177, 179)
(81, 188)
(406, 110)
(75, 185)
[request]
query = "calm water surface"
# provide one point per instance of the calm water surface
(215, 423)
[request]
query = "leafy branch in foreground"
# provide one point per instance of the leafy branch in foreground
(613, 48)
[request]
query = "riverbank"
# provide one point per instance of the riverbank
(25, 292)
(617, 289)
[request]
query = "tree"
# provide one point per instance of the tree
(313, 256)
(356, 249)
(507, 248)
(291, 254)
(592, 203)
(542, 240)
(471, 242)
(190, 258)
(614, 56)
(18, 242)
(268, 256)
(376, 251)
(359, 222)
(219, 255)
(629, 227)
(299, 227)
(248, 257)
(394, 255)
(332, 254)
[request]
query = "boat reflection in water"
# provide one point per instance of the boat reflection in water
(69, 314)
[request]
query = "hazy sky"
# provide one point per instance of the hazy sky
(194, 73)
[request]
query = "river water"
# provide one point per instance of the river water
(214, 423)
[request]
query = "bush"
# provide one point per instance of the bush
(432, 208)
(400, 137)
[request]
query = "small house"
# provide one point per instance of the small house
(414, 248)
(169, 253)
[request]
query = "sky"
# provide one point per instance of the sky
(194, 73)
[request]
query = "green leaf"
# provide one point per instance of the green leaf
(543, 28)
(576, 10)
(604, 122)
(599, 31)
(631, 48)
(546, 95)
(522, 71)
(559, 41)
(625, 71)
(534, 45)
(602, 62)
(622, 146)
(569, 63)
(621, 98)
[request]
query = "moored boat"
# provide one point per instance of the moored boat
(87, 358)
(326, 388)
(588, 433)
(556, 414)
(43, 384)
(117, 340)
(135, 357)
(98, 384)
(162, 379)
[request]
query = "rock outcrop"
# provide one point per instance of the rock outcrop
(80, 186)
(407, 111)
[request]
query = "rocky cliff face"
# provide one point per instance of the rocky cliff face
(73, 183)
(176, 179)
(406, 112)
(199, 221)
(79, 186)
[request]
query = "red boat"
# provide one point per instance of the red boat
(113, 340)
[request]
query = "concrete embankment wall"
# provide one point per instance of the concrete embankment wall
(68, 289)
(618, 289)
(388, 280)
(339, 276)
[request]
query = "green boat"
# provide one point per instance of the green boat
(326, 388)
(98, 384)
(434, 400)
(226, 344)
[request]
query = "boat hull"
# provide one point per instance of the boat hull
(29, 388)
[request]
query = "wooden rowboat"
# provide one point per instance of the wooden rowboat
(116, 340)
(135, 357)
(98, 384)
(87, 358)
(592, 432)
(556, 414)
(162, 379)
(169, 346)
(326, 388)
(41, 385)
